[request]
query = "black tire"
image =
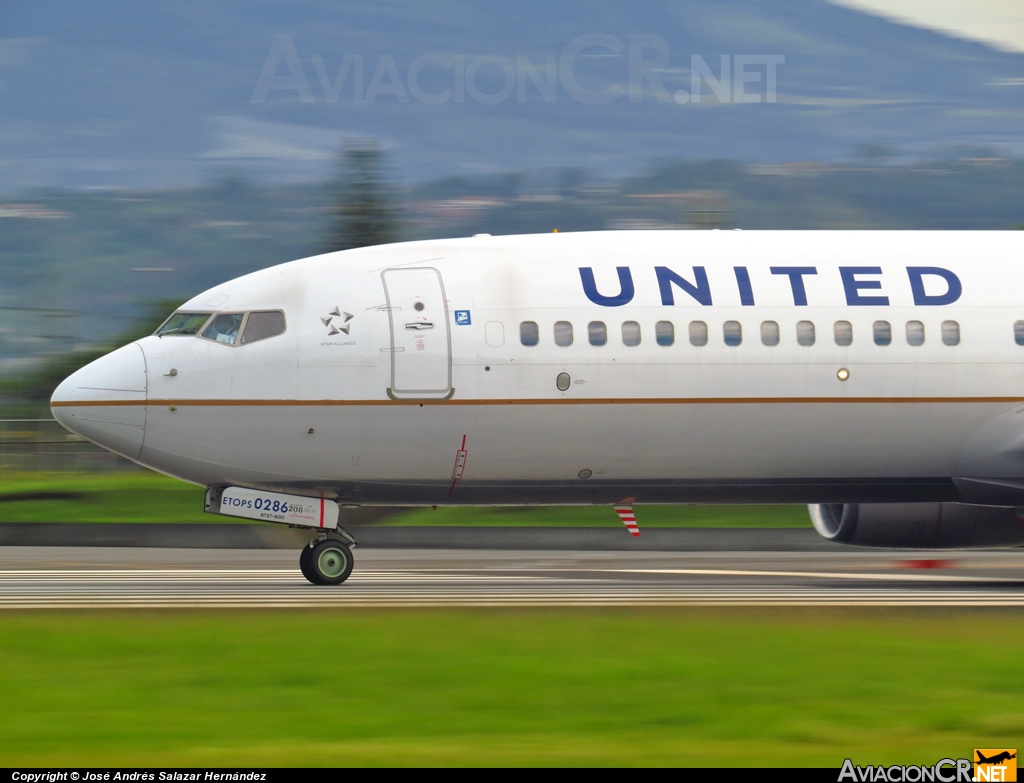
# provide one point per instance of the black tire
(306, 562)
(330, 562)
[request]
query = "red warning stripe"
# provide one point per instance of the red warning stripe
(628, 519)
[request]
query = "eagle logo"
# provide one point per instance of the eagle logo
(337, 321)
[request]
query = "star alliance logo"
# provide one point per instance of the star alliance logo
(333, 326)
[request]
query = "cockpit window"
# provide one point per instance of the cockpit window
(183, 323)
(262, 325)
(227, 328)
(224, 328)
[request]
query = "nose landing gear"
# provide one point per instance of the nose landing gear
(326, 561)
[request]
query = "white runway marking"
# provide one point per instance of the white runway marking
(83, 579)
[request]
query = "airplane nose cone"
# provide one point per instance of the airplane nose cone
(105, 401)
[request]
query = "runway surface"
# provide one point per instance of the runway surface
(87, 578)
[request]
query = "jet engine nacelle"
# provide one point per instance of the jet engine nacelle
(919, 525)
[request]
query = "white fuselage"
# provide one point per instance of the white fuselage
(369, 399)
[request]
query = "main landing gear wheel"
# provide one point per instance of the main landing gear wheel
(326, 562)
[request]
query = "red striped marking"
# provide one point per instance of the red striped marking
(628, 519)
(321, 510)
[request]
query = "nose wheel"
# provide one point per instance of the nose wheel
(326, 562)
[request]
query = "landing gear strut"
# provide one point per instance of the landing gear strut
(326, 561)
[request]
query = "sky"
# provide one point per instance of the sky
(999, 22)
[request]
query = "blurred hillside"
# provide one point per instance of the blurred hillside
(159, 94)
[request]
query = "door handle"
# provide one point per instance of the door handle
(419, 325)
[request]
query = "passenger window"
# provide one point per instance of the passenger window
(563, 333)
(664, 333)
(262, 325)
(630, 333)
(844, 333)
(224, 328)
(950, 333)
(769, 333)
(183, 323)
(1018, 332)
(699, 333)
(597, 332)
(733, 333)
(915, 333)
(883, 333)
(805, 332)
(529, 333)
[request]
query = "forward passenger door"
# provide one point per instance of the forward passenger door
(421, 345)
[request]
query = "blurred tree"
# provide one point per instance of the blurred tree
(362, 212)
(570, 180)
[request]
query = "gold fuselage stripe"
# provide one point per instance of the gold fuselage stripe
(255, 403)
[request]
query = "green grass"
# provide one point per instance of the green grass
(598, 516)
(150, 497)
(499, 687)
(128, 496)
